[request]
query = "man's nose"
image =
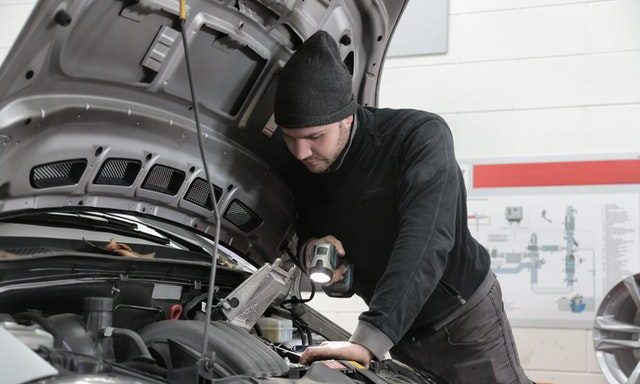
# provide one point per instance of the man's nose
(302, 150)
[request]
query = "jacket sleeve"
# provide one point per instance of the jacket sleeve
(428, 193)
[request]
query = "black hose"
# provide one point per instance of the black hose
(300, 324)
(191, 304)
(143, 351)
(309, 336)
(303, 336)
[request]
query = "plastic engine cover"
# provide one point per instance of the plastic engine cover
(237, 352)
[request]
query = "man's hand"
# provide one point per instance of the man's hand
(339, 272)
(338, 350)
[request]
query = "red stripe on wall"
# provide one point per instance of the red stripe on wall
(559, 173)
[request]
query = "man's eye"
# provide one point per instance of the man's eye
(315, 137)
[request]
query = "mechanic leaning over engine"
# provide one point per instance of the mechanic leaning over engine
(384, 188)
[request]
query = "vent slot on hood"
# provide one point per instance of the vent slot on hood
(164, 179)
(225, 70)
(200, 194)
(58, 174)
(242, 216)
(122, 172)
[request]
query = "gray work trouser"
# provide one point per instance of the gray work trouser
(476, 346)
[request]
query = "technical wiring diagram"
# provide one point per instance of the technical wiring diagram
(554, 254)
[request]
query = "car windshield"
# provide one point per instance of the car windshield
(107, 233)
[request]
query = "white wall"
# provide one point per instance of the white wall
(521, 78)
(13, 14)
(528, 78)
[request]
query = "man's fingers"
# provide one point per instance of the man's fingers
(333, 280)
(308, 250)
(307, 356)
(337, 350)
(338, 274)
(312, 354)
(335, 242)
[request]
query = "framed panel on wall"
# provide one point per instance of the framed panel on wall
(561, 231)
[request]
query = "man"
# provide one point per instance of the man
(384, 187)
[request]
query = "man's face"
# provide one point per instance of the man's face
(318, 147)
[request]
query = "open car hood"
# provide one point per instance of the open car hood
(95, 109)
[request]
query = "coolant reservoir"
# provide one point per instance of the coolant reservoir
(276, 329)
(33, 336)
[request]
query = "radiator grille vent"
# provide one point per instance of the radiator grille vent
(164, 179)
(200, 194)
(58, 174)
(242, 216)
(121, 172)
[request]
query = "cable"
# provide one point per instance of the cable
(300, 325)
(285, 248)
(294, 300)
(196, 113)
(303, 337)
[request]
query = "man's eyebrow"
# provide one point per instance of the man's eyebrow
(304, 137)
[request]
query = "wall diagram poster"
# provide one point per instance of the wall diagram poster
(557, 251)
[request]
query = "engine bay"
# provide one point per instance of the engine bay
(147, 330)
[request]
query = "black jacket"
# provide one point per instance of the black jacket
(398, 205)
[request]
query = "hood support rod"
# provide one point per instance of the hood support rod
(205, 364)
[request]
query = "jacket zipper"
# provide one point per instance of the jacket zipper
(452, 291)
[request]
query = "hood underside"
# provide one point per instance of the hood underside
(95, 109)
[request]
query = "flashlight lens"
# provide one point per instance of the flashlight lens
(320, 277)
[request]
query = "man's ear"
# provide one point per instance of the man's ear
(347, 121)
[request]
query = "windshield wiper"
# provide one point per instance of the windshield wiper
(114, 220)
(96, 223)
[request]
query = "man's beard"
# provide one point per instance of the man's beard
(318, 165)
(323, 164)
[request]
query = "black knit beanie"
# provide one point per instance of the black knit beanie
(314, 87)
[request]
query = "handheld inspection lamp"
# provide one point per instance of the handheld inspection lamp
(325, 260)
